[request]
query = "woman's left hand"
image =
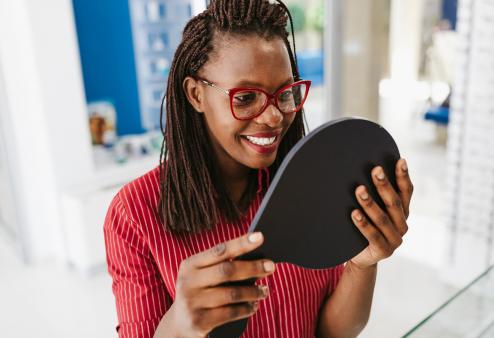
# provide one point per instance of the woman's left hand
(384, 229)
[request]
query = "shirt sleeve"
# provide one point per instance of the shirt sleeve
(140, 294)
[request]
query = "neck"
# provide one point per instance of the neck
(236, 179)
(235, 176)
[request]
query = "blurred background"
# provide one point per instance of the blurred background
(80, 88)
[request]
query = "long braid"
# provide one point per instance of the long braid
(178, 180)
(192, 194)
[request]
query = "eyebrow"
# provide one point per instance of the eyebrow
(248, 83)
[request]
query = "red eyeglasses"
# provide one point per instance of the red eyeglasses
(248, 103)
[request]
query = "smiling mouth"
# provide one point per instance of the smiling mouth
(262, 141)
(262, 145)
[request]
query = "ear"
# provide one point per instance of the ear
(194, 92)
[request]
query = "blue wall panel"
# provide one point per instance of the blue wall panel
(107, 57)
(450, 9)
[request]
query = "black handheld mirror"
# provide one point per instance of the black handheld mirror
(305, 214)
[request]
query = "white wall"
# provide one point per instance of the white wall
(49, 140)
(9, 225)
(333, 49)
(405, 39)
(46, 106)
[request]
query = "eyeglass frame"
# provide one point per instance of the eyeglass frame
(271, 98)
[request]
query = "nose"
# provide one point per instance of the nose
(271, 116)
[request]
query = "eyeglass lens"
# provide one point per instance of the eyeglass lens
(248, 103)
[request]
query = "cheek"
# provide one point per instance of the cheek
(220, 121)
(289, 119)
(216, 114)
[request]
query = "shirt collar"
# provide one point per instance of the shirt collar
(262, 180)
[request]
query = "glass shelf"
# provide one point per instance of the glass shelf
(468, 314)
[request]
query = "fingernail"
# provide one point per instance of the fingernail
(404, 166)
(268, 266)
(364, 196)
(264, 289)
(255, 237)
(255, 306)
(380, 174)
(358, 216)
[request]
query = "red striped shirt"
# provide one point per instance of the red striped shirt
(143, 261)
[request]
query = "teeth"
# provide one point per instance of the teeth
(262, 141)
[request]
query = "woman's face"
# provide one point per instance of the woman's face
(250, 61)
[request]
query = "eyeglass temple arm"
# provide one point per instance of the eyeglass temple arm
(227, 92)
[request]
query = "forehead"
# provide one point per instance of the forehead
(249, 59)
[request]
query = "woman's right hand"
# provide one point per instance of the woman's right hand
(202, 303)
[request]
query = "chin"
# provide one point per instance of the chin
(256, 156)
(261, 163)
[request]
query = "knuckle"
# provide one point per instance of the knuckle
(226, 268)
(405, 229)
(234, 311)
(383, 183)
(388, 252)
(395, 243)
(376, 237)
(196, 320)
(235, 294)
(383, 220)
(394, 203)
(249, 308)
(388, 203)
(369, 202)
(219, 250)
(258, 267)
(384, 250)
(259, 292)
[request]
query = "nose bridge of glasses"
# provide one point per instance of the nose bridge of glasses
(272, 106)
(271, 100)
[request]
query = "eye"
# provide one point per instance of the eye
(244, 98)
(287, 95)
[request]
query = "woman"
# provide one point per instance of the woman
(234, 109)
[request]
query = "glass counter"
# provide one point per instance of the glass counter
(468, 314)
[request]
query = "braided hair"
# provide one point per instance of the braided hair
(192, 194)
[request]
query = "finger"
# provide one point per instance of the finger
(377, 216)
(232, 271)
(225, 314)
(391, 199)
(228, 250)
(225, 295)
(405, 185)
(370, 232)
